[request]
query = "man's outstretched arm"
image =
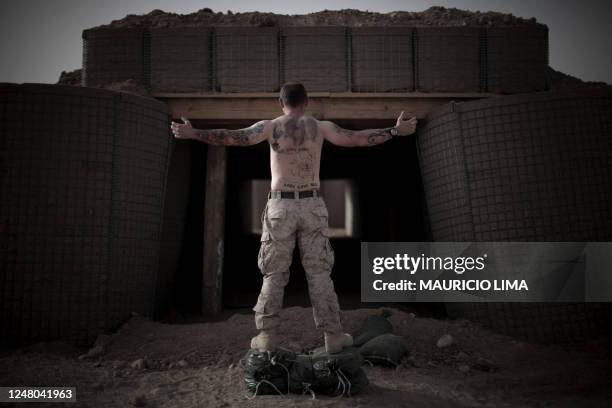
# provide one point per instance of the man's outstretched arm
(367, 137)
(258, 132)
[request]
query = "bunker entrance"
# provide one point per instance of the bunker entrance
(373, 194)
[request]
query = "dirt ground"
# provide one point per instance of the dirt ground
(153, 364)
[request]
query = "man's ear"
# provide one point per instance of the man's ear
(280, 101)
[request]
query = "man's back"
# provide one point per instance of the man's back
(295, 152)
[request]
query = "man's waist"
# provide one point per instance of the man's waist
(294, 194)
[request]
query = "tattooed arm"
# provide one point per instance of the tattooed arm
(367, 137)
(249, 136)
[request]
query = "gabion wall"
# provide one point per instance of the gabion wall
(116, 55)
(83, 183)
(531, 167)
(328, 59)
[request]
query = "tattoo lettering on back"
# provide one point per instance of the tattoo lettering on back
(302, 166)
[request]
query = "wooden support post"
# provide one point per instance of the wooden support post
(214, 227)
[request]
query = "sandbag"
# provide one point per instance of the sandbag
(328, 374)
(301, 374)
(373, 326)
(282, 371)
(386, 350)
(339, 373)
(268, 372)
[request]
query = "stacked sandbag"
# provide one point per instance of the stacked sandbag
(377, 344)
(373, 326)
(339, 373)
(318, 372)
(387, 350)
(268, 372)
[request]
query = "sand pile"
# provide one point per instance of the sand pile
(70, 77)
(433, 16)
(559, 80)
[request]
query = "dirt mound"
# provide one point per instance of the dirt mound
(433, 16)
(70, 77)
(559, 80)
(130, 85)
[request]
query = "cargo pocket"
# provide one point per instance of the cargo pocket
(321, 216)
(328, 253)
(263, 259)
(276, 223)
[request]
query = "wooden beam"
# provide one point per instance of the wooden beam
(358, 95)
(214, 227)
(322, 105)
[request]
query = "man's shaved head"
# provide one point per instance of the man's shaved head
(293, 94)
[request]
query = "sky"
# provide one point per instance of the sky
(41, 38)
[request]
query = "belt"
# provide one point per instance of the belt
(294, 194)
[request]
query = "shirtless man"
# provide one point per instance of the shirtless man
(295, 209)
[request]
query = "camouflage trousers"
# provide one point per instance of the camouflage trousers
(284, 220)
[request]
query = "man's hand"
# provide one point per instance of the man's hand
(405, 127)
(183, 130)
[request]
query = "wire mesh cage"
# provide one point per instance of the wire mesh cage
(316, 57)
(247, 59)
(516, 59)
(382, 59)
(113, 55)
(326, 59)
(448, 59)
(83, 185)
(528, 167)
(181, 59)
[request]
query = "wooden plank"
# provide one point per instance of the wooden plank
(321, 107)
(358, 95)
(214, 225)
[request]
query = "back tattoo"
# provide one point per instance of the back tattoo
(294, 132)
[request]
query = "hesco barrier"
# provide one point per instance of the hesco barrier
(328, 59)
(168, 52)
(530, 167)
(382, 59)
(247, 60)
(514, 59)
(112, 55)
(83, 183)
(449, 59)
